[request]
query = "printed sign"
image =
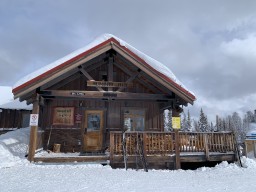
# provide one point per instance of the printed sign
(33, 120)
(108, 84)
(78, 118)
(176, 122)
(63, 116)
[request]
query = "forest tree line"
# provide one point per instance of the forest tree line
(234, 122)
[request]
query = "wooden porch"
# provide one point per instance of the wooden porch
(159, 149)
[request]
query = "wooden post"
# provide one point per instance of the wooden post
(111, 146)
(175, 113)
(145, 143)
(33, 131)
(177, 149)
(110, 72)
(205, 137)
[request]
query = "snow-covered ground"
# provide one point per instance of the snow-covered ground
(17, 174)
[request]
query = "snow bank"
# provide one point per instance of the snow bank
(13, 147)
(248, 162)
(17, 174)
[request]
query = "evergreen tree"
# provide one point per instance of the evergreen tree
(183, 122)
(169, 121)
(250, 117)
(245, 127)
(196, 127)
(211, 128)
(219, 123)
(236, 126)
(186, 124)
(203, 122)
(189, 126)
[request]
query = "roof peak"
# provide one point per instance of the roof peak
(98, 42)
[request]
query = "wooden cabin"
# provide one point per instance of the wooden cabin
(14, 114)
(250, 141)
(88, 99)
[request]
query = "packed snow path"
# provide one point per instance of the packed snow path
(17, 174)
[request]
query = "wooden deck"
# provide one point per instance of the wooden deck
(159, 149)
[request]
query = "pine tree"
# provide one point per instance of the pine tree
(203, 122)
(169, 121)
(218, 123)
(236, 126)
(195, 124)
(211, 128)
(250, 117)
(186, 124)
(189, 126)
(183, 122)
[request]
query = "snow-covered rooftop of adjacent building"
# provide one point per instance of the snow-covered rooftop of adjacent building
(7, 101)
(152, 62)
(252, 129)
(16, 104)
(5, 94)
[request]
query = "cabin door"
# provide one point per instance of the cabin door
(93, 134)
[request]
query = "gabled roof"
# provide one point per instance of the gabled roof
(148, 63)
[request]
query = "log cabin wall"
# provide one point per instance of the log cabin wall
(13, 118)
(71, 136)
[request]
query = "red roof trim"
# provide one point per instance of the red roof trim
(153, 69)
(92, 50)
(61, 65)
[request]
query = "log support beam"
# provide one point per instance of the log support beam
(104, 95)
(33, 131)
(176, 113)
(89, 77)
(110, 71)
(130, 79)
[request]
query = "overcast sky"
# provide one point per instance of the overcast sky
(209, 45)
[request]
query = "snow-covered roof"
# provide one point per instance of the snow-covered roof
(252, 129)
(16, 104)
(7, 101)
(5, 94)
(157, 66)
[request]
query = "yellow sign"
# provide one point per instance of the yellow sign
(176, 122)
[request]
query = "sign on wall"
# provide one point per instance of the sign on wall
(33, 120)
(63, 116)
(78, 118)
(176, 122)
(108, 84)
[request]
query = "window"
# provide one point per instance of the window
(93, 122)
(134, 120)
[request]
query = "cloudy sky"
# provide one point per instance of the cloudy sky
(209, 45)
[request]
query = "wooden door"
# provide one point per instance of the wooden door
(93, 134)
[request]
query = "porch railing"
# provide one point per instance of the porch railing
(163, 143)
